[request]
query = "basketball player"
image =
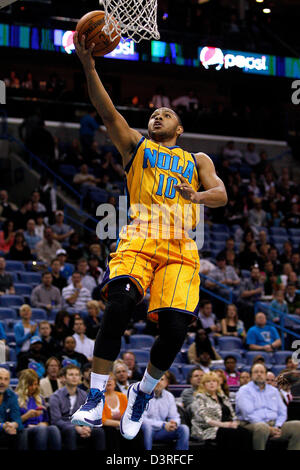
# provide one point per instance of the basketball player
(158, 172)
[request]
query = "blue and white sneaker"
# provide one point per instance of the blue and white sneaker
(132, 419)
(90, 413)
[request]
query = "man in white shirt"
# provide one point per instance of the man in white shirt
(162, 421)
(75, 295)
(84, 345)
(87, 281)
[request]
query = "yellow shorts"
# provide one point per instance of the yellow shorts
(170, 268)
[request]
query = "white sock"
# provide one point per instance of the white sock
(148, 383)
(98, 381)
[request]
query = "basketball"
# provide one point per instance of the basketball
(91, 25)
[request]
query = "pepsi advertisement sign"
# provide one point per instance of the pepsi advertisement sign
(216, 59)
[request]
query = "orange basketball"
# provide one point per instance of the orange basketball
(91, 26)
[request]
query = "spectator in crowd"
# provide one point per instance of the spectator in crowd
(201, 344)
(134, 375)
(162, 421)
(10, 418)
(84, 178)
(261, 410)
(188, 102)
(231, 325)
(84, 345)
(94, 269)
(296, 262)
(286, 255)
(252, 290)
(40, 226)
(32, 359)
(19, 250)
(251, 156)
(232, 375)
(46, 189)
(75, 295)
(271, 378)
(279, 305)
(121, 372)
(6, 280)
(50, 345)
(13, 81)
(263, 337)
(63, 403)
(249, 256)
(232, 154)
(74, 250)
(275, 217)
(223, 381)
(160, 99)
(206, 266)
(193, 378)
(292, 219)
(7, 209)
(225, 275)
(61, 231)
(30, 236)
(290, 364)
(36, 199)
(23, 215)
(34, 414)
(7, 236)
(93, 319)
(70, 356)
(50, 383)
(257, 216)
(213, 418)
(62, 327)
(47, 248)
(208, 320)
(87, 281)
(4, 350)
(58, 280)
(244, 378)
(73, 154)
(65, 269)
(88, 127)
(86, 377)
(25, 329)
(45, 295)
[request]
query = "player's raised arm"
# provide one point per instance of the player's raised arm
(124, 137)
(215, 194)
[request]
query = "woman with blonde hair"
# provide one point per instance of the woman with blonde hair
(34, 414)
(213, 418)
(223, 381)
(24, 329)
(231, 325)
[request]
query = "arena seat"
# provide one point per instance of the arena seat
(218, 246)
(10, 337)
(141, 355)
(185, 369)
(220, 228)
(33, 265)
(9, 324)
(11, 300)
(245, 273)
(178, 359)
(250, 355)
(14, 266)
(278, 231)
(140, 327)
(280, 356)
(98, 195)
(141, 341)
(175, 370)
(7, 313)
(30, 277)
(219, 236)
(22, 289)
(234, 353)
(39, 314)
(228, 343)
(276, 369)
(294, 232)
(67, 171)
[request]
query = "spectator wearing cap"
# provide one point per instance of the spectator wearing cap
(65, 270)
(70, 356)
(61, 231)
(47, 248)
(6, 280)
(58, 280)
(50, 383)
(87, 281)
(31, 237)
(84, 345)
(225, 275)
(263, 337)
(25, 329)
(75, 295)
(45, 295)
(33, 359)
(10, 417)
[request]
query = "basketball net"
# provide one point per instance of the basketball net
(135, 19)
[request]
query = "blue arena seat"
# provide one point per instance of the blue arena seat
(278, 231)
(141, 341)
(12, 354)
(175, 370)
(23, 289)
(294, 232)
(185, 369)
(250, 355)
(10, 338)
(7, 313)
(30, 277)
(217, 246)
(245, 273)
(178, 359)
(14, 266)
(33, 265)
(141, 355)
(228, 343)
(220, 228)
(277, 369)
(238, 356)
(280, 356)
(140, 327)
(98, 195)
(11, 300)
(67, 171)
(39, 314)
(219, 236)
(9, 324)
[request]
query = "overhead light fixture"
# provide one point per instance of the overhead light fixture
(266, 10)
(259, 1)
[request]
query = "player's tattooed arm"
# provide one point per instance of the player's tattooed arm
(214, 194)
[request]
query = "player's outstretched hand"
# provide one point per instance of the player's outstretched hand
(85, 54)
(186, 190)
